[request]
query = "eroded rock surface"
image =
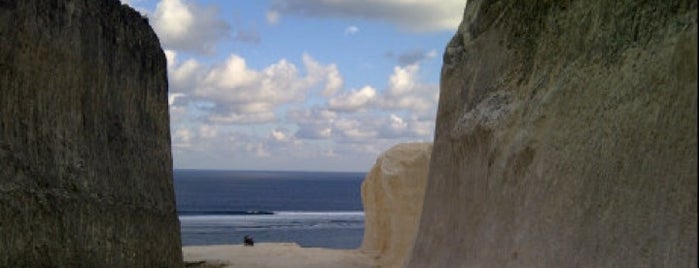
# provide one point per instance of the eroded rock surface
(85, 162)
(566, 136)
(392, 195)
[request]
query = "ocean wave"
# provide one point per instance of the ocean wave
(223, 212)
(277, 220)
(320, 213)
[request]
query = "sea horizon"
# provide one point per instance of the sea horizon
(269, 170)
(310, 208)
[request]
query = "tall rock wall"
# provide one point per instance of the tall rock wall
(85, 162)
(566, 136)
(392, 195)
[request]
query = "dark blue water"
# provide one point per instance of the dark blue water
(313, 209)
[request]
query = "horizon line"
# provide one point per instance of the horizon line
(259, 170)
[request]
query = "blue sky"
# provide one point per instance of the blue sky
(316, 85)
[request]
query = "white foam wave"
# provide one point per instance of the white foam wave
(279, 220)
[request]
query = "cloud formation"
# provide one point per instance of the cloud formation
(411, 15)
(354, 100)
(412, 56)
(228, 112)
(243, 95)
(404, 110)
(272, 17)
(189, 26)
(212, 104)
(313, 123)
(351, 30)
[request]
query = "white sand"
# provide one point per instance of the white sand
(277, 255)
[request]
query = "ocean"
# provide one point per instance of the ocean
(313, 209)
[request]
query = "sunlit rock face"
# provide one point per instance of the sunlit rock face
(566, 136)
(85, 162)
(392, 194)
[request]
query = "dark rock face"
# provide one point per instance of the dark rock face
(85, 162)
(566, 136)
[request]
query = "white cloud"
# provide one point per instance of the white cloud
(235, 117)
(412, 15)
(313, 123)
(231, 106)
(178, 113)
(398, 123)
(172, 97)
(182, 78)
(351, 30)
(272, 17)
(315, 114)
(399, 127)
(279, 135)
(402, 80)
(329, 153)
(354, 129)
(244, 95)
(182, 138)
(317, 73)
(431, 54)
(188, 26)
(334, 81)
(352, 124)
(259, 149)
(240, 94)
(233, 73)
(403, 111)
(208, 131)
(353, 100)
(171, 57)
(405, 92)
(185, 74)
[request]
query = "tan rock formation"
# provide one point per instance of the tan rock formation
(85, 162)
(392, 195)
(566, 136)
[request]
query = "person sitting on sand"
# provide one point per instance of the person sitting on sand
(247, 241)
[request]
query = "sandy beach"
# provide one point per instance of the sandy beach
(275, 255)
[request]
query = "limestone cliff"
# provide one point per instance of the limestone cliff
(566, 136)
(85, 162)
(392, 195)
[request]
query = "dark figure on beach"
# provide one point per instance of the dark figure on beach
(247, 241)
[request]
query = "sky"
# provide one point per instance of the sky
(311, 85)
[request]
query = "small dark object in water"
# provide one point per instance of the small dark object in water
(247, 241)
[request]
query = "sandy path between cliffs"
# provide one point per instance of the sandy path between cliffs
(276, 255)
